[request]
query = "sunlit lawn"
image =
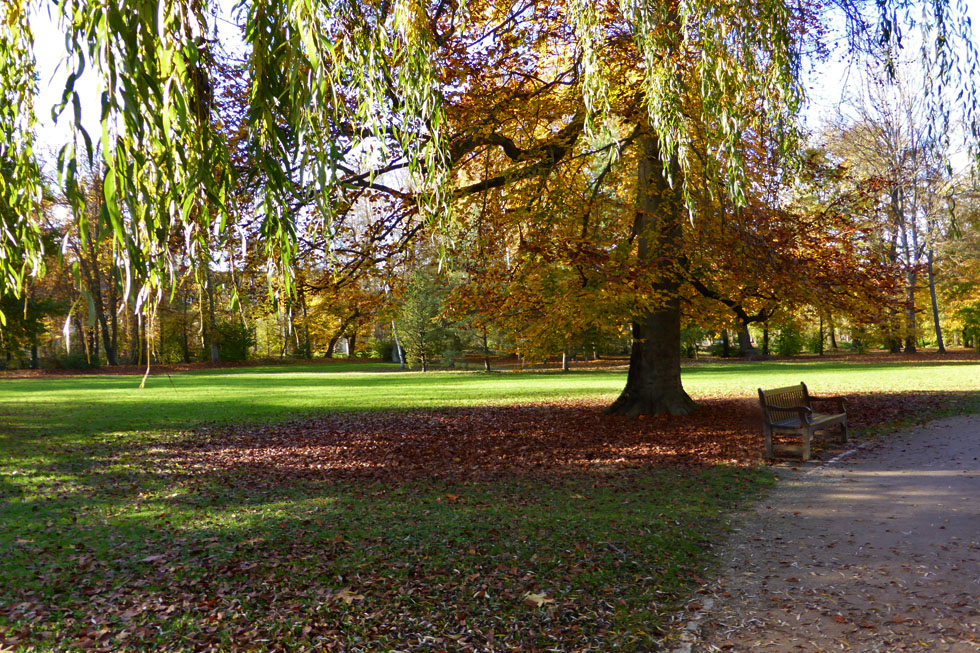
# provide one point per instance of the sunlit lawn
(102, 544)
(104, 404)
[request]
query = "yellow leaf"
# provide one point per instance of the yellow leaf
(537, 600)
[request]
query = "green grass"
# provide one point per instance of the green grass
(102, 540)
(114, 404)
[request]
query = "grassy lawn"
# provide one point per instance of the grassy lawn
(106, 542)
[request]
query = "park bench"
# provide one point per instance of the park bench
(789, 410)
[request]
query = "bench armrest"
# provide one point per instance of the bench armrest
(802, 412)
(840, 401)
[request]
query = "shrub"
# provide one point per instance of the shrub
(789, 341)
(814, 342)
(76, 360)
(383, 349)
(234, 339)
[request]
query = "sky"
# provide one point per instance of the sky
(827, 82)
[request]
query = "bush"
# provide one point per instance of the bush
(383, 349)
(234, 339)
(690, 337)
(789, 341)
(76, 360)
(814, 343)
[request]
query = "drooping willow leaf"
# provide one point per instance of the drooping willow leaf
(20, 179)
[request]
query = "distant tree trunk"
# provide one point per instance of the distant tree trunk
(910, 328)
(935, 304)
(833, 335)
(332, 345)
(351, 342)
(726, 345)
(653, 383)
(486, 352)
(211, 329)
(564, 361)
(820, 336)
(745, 348)
(765, 339)
(33, 356)
(183, 334)
(398, 346)
(307, 346)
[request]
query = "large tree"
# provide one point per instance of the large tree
(436, 88)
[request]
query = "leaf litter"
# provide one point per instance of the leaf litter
(500, 586)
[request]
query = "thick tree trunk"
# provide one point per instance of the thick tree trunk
(935, 305)
(765, 340)
(726, 344)
(833, 335)
(653, 384)
(745, 348)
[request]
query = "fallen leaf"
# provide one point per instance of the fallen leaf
(537, 600)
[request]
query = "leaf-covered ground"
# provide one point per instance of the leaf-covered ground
(515, 527)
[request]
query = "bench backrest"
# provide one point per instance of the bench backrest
(778, 403)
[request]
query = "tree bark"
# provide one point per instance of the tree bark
(935, 304)
(910, 329)
(211, 339)
(653, 384)
(486, 352)
(745, 348)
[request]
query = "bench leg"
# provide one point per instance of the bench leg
(767, 433)
(805, 449)
(843, 430)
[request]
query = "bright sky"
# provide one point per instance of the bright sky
(827, 82)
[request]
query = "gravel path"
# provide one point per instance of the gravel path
(877, 551)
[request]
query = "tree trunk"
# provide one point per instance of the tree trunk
(564, 361)
(765, 340)
(351, 343)
(486, 352)
(910, 314)
(935, 304)
(726, 344)
(653, 384)
(398, 346)
(833, 335)
(820, 336)
(745, 348)
(210, 331)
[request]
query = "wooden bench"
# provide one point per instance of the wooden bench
(789, 410)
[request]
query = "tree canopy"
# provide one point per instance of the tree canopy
(618, 142)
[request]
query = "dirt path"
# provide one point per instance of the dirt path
(878, 551)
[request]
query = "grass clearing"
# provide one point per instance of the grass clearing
(104, 544)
